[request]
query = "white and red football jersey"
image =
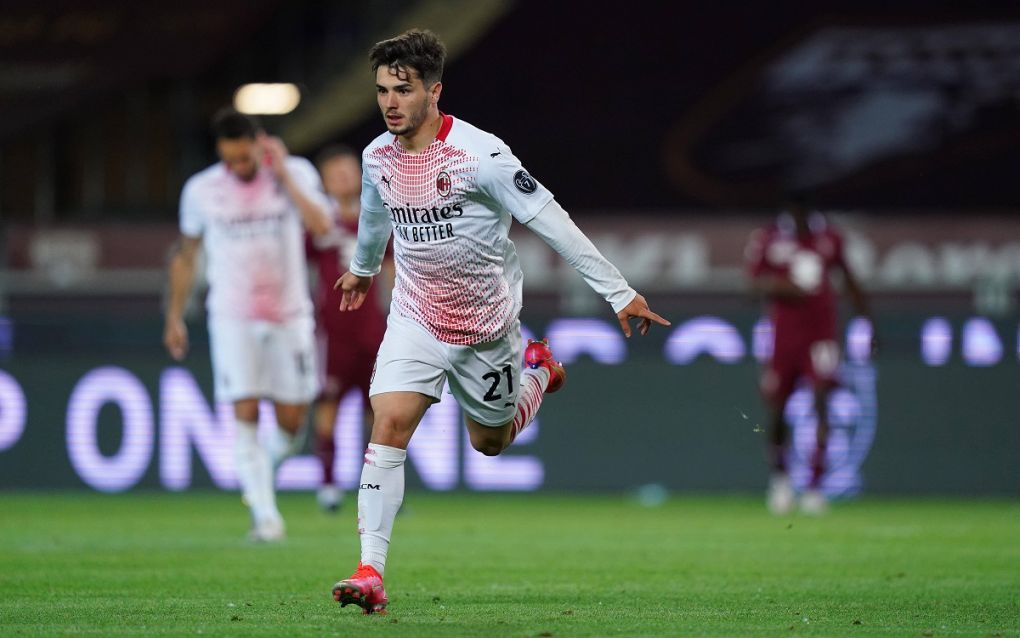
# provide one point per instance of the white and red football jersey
(253, 238)
(449, 208)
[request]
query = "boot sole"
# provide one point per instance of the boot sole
(347, 594)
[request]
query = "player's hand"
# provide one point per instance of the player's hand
(276, 152)
(353, 289)
(175, 338)
(638, 309)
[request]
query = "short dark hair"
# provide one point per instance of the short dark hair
(229, 124)
(416, 49)
(334, 151)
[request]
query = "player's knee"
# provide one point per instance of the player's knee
(246, 410)
(291, 419)
(391, 430)
(489, 444)
(488, 448)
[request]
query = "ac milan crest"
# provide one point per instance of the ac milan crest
(444, 184)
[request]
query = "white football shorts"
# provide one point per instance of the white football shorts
(484, 378)
(265, 360)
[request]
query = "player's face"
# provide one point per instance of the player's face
(241, 156)
(342, 177)
(404, 99)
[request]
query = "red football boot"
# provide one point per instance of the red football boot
(364, 588)
(538, 354)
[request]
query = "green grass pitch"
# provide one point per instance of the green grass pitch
(511, 565)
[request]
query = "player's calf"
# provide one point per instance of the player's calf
(542, 375)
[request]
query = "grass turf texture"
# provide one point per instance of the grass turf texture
(511, 565)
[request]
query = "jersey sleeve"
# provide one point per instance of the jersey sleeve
(559, 231)
(192, 215)
(504, 181)
(374, 229)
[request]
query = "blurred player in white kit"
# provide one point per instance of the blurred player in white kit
(249, 211)
(448, 192)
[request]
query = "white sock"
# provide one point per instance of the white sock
(254, 472)
(533, 383)
(380, 496)
(283, 444)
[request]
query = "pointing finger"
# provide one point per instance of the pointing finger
(648, 314)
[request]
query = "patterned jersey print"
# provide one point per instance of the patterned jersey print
(450, 208)
(253, 240)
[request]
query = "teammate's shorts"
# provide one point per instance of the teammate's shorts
(815, 361)
(261, 359)
(484, 378)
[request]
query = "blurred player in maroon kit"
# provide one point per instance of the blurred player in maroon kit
(791, 263)
(350, 339)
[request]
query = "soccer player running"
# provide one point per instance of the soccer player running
(791, 263)
(250, 210)
(350, 339)
(448, 191)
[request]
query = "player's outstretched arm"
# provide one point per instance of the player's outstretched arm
(638, 309)
(353, 290)
(554, 225)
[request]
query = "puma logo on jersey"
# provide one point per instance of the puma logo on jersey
(386, 181)
(495, 154)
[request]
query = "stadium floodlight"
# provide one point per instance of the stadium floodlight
(267, 99)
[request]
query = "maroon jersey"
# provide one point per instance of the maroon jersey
(331, 254)
(807, 261)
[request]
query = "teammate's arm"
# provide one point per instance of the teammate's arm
(857, 296)
(182, 276)
(859, 300)
(314, 214)
(554, 225)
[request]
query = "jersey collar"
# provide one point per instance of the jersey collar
(444, 128)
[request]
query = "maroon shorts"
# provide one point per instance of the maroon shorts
(816, 361)
(347, 359)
